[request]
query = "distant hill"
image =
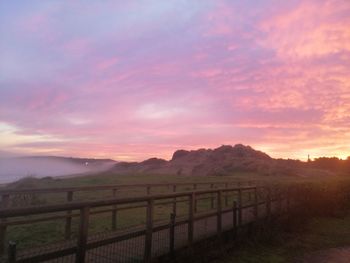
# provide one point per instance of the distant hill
(14, 168)
(224, 160)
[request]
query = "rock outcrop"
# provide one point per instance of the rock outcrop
(225, 160)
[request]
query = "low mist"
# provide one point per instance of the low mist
(13, 169)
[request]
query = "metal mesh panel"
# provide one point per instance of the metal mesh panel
(205, 228)
(227, 221)
(160, 243)
(248, 215)
(66, 259)
(181, 236)
(130, 250)
(274, 207)
(262, 211)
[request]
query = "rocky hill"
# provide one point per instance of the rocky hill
(224, 160)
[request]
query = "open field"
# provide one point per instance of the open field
(107, 178)
(131, 179)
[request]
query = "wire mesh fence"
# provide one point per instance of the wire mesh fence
(181, 236)
(148, 227)
(160, 243)
(205, 228)
(129, 250)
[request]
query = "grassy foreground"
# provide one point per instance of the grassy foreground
(29, 235)
(291, 245)
(37, 234)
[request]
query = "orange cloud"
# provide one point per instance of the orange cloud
(313, 28)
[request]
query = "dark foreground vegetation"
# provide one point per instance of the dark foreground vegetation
(332, 164)
(320, 225)
(292, 241)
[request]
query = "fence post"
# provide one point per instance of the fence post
(212, 197)
(174, 204)
(83, 234)
(172, 235)
(280, 200)
(114, 212)
(148, 190)
(234, 218)
(288, 199)
(5, 201)
(219, 215)
(239, 207)
(191, 218)
(226, 195)
(195, 200)
(12, 252)
(256, 204)
(268, 203)
(68, 226)
(149, 231)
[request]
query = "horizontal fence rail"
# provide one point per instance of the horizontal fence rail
(170, 221)
(147, 187)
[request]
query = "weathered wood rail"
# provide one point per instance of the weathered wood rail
(5, 193)
(233, 207)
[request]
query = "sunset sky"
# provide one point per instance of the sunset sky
(130, 80)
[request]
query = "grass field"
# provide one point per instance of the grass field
(29, 235)
(112, 178)
(37, 234)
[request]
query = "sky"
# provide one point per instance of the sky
(130, 80)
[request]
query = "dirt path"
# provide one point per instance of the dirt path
(334, 255)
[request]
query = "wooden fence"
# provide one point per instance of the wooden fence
(68, 193)
(225, 209)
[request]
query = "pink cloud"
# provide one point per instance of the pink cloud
(313, 28)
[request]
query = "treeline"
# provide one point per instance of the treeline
(332, 164)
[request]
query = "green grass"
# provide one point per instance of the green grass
(108, 178)
(37, 234)
(319, 233)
